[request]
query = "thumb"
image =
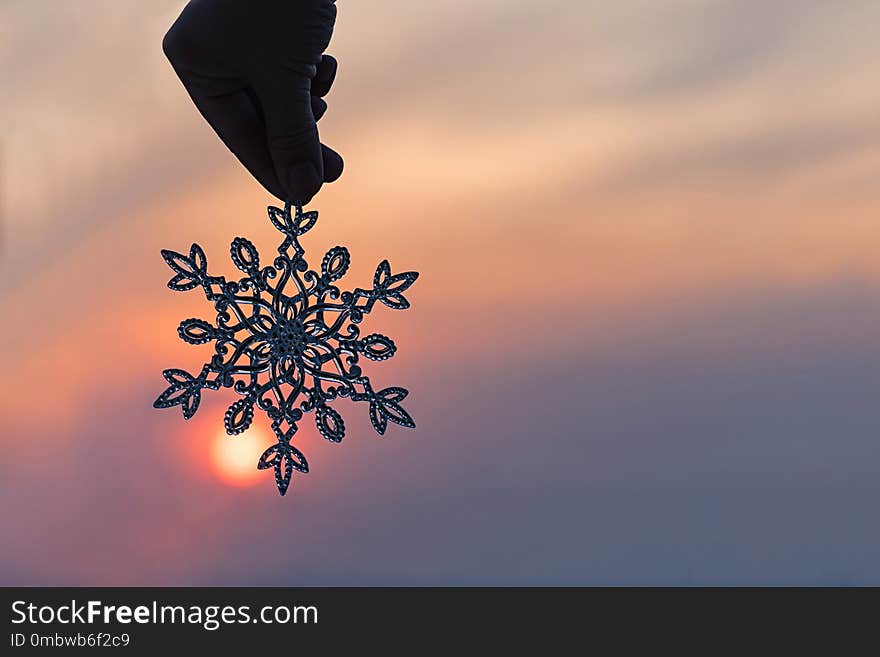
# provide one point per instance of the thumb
(291, 132)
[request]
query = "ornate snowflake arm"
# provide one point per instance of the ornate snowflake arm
(374, 346)
(384, 405)
(238, 416)
(198, 331)
(184, 390)
(284, 458)
(387, 288)
(192, 271)
(329, 423)
(246, 257)
(294, 223)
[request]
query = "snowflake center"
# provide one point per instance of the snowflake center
(288, 338)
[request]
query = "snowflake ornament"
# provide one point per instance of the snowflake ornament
(286, 340)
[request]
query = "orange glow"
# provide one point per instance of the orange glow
(234, 458)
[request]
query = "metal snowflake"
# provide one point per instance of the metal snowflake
(285, 334)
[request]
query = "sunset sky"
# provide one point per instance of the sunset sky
(644, 344)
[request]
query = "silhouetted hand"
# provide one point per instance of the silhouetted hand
(256, 71)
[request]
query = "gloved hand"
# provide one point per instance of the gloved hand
(256, 71)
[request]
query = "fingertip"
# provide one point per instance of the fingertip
(325, 75)
(319, 106)
(333, 164)
(303, 182)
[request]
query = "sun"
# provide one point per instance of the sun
(234, 458)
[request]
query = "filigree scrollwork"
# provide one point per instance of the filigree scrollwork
(287, 340)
